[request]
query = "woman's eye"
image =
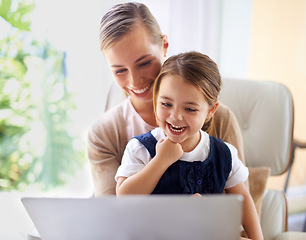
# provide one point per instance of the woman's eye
(145, 63)
(119, 71)
(190, 109)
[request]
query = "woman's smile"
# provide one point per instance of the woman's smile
(141, 91)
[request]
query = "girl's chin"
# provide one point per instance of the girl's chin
(175, 138)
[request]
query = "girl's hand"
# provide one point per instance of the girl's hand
(144, 181)
(197, 195)
(168, 150)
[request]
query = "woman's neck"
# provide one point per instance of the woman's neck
(145, 111)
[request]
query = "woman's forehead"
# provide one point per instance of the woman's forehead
(132, 47)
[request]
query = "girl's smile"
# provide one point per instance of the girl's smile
(176, 129)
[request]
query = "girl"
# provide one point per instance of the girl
(178, 157)
(135, 49)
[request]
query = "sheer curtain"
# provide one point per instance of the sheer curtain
(189, 25)
(219, 28)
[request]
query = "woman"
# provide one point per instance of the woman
(135, 49)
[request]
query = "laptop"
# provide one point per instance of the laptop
(158, 217)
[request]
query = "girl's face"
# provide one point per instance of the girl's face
(181, 110)
(135, 62)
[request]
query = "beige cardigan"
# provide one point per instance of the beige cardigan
(107, 140)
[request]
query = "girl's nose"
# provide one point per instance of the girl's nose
(176, 115)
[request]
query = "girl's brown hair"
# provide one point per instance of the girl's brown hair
(194, 68)
(123, 18)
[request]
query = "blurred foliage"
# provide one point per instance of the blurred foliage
(37, 144)
(16, 13)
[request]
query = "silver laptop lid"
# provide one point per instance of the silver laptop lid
(137, 217)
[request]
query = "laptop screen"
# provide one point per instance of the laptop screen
(137, 217)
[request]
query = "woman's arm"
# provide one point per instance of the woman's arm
(144, 181)
(106, 143)
(250, 219)
(225, 126)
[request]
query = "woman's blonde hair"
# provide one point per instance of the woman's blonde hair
(123, 18)
(194, 68)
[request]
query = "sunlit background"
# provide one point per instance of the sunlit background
(54, 79)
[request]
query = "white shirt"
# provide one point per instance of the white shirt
(136, 157)
(135, 124)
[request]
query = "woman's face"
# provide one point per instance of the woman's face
(135, 62)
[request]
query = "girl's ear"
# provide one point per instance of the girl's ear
(213, 109)
(165, 44)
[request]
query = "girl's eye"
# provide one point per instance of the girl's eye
(190, 109)
(166, 104)
(145, 63)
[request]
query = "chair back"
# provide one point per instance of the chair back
(115, 96)
(264, 111)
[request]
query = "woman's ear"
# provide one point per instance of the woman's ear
(165, 44)
(213, 109)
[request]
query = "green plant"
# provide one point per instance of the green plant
(36, 143)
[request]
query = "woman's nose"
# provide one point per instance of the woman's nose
(134, 79)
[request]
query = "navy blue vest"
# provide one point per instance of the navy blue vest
(183, 177)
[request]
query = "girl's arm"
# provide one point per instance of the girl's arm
(146, 180)
(250, 219)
